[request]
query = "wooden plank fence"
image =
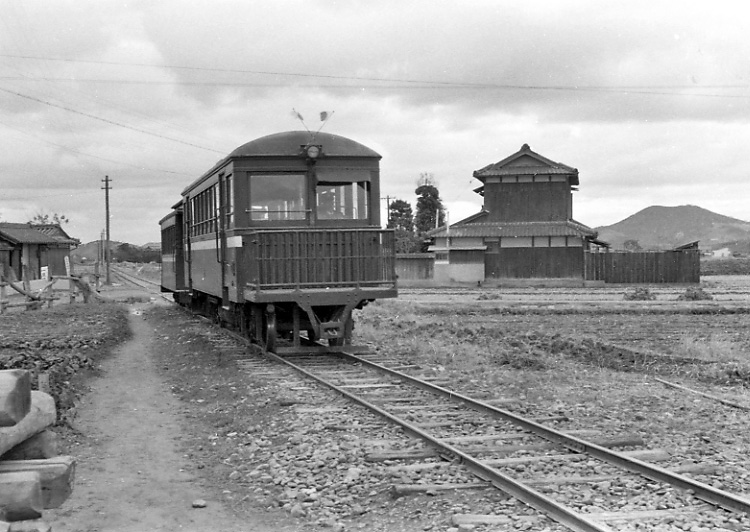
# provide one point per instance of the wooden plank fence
(645, 267)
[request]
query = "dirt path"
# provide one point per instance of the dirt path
(131, 475)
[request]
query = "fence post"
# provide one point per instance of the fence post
(25, 278)
(3, 293)
(26, 282)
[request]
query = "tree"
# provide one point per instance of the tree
(400, 216)
(45, 218)
(632, 245)
(130, 253)
(430, 212)
(401, 220)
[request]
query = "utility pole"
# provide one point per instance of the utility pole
(99, 260)
(107, 251)
(387, 209)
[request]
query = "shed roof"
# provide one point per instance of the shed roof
(526, 162)
(688, 246)
(35, 234)
(516, 229)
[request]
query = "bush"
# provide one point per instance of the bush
(640, 294)
(695, 294)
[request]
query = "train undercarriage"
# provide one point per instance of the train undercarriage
(282, 326)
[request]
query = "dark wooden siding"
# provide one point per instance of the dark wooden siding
(56, 260)
(415, 266)
(527, 202)
(644, 267)
(314, 258)
(531, 263)
(466, 256)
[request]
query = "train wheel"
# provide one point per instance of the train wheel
(269, 331)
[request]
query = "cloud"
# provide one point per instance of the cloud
(648, 100)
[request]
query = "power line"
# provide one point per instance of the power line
(27, 198)
(106, 120)
(420, 84)
(79, 152)
(226, 70)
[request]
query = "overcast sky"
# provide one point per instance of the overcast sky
(650, 101)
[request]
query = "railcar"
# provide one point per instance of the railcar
(282, 240)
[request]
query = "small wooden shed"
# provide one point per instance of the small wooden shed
(35, 249)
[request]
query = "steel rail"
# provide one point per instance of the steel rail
(563, 515)
(138, 281)
(702, 491)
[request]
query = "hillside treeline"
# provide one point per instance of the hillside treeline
(130, 253)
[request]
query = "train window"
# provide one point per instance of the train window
(278, 197)
(335, 200)
(168, 236)
(203, 212)
(229, 193)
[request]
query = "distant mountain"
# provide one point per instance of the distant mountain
(660, 227)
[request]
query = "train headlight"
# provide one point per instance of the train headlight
(313, 151)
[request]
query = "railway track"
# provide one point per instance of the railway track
(139, 282)
(484, 446)
(480, 445)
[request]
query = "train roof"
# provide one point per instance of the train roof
(290, 144)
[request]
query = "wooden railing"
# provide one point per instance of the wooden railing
(333, 258)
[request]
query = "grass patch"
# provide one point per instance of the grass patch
(640, 293)
(728, 363)
(712, 349)
(486, 360)
(444, 342)
(447, 341)
(695, 294)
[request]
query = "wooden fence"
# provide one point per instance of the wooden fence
(30, 299)
(415, 266)
(643, 267)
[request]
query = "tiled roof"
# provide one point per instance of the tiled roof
(52, 230)
(516, 229)
(526, 162)
(32, 234)
(494, 170)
